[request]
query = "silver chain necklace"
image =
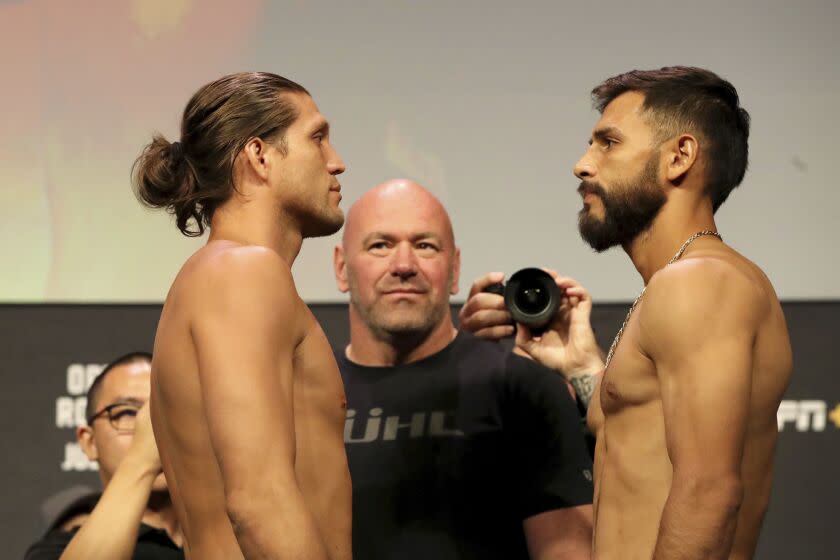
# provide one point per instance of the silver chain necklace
(674, 259)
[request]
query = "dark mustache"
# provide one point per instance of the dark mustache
(591, 187)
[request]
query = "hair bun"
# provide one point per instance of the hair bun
(163, 179)
(176, 151)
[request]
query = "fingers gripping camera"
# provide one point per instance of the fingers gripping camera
(532, 297)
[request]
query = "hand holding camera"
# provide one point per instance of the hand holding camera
(531, 297)
(552, 314)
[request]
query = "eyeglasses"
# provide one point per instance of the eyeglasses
(122, 416)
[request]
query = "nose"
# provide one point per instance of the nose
(335, 164)
(584, 168)
(403, 262)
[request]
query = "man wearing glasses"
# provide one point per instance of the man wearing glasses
(134, 517)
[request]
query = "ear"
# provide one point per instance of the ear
(257, 157)
(84, 435)
(456, 272)
(682, 156)
(340, 269)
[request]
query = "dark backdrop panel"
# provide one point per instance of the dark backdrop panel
(51, 352)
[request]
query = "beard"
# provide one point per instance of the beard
(311, 218)
(629, 209)
(325, 222)
(401, 323)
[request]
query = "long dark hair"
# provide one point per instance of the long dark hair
(193, 176)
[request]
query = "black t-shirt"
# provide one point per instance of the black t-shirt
(450, 454)
(152, 543)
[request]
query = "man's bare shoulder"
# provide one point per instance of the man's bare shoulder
(223, 266)
(238, 284)
(703, 292)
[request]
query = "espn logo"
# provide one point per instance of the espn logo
(807, 416)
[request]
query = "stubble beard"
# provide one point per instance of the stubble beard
(395, 327)
(322, 223)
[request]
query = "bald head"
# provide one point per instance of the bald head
(399, 263)
(390, 202)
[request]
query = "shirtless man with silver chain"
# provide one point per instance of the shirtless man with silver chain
(685, 409)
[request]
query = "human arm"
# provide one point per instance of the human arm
(697, 325)
(484, 313)
(110, 531)
(560, 534)
(567, 346)
(246, 331)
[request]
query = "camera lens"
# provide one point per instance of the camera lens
(532, 297)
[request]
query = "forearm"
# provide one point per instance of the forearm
(698, 521)
(583, 378)
(579, 547)
(585, 385)
(111, 529)
(564, 534)
(278, 527)
(567, 551)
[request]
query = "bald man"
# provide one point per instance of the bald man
(457, 449)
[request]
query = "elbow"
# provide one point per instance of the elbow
(242, 509)
(245, 506)
(250, 504)
(722, 492)
(731, 494)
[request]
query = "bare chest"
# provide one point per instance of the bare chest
(630, 380)
(318, 388)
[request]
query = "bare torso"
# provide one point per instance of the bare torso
(180, 424)
(633, 469)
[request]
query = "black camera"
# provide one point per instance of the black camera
(531, 297)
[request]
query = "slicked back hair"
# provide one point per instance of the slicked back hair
(681, 99)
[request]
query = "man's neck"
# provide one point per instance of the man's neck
(366, 349)
(651, 250)
(160, 514)
(256, 222)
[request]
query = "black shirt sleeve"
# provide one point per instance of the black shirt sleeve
(51, 545)
(548, 456)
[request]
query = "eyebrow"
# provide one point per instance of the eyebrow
(127, 400)
(321, 125)
(387, 236)
(604, 132)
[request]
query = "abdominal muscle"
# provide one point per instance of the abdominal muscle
(633, 477)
